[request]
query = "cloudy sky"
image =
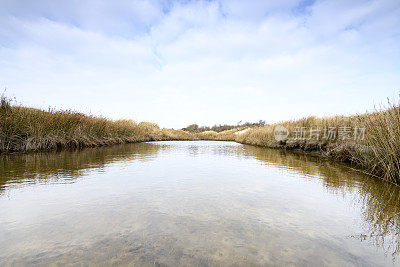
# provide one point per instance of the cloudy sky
(209, 62)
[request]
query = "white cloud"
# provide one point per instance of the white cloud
(201, 61)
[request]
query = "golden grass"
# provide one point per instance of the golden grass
(227, 135)
(384, 140)
(378, 153)
(29, 129)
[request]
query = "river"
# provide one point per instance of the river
(199, 203)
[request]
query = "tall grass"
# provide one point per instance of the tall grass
(384, 140)
(377, 154)
(26, 129)
(227, 135)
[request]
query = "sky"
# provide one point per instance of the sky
(205, 62)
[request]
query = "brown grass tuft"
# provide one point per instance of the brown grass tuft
(29, 129)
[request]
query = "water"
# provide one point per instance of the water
(193, 203)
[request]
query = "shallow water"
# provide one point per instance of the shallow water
(193, 203)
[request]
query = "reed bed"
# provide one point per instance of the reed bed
(227, 135)
(29, 129)
(384, 140)
(378, 153)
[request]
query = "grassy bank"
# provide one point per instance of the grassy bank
(29, 129)
(227, 135)
(378, 153)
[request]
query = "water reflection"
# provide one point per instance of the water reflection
(67, 166)
(380, 201)
(193, 203)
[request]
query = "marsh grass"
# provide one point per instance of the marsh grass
(227, 135)
(384, 140)
(378, 154)
(29, 129)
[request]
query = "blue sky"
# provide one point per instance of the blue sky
(206, 62)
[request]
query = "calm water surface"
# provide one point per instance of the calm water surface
(193, 203)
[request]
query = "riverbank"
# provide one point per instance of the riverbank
(28, 129)
(369, 141)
